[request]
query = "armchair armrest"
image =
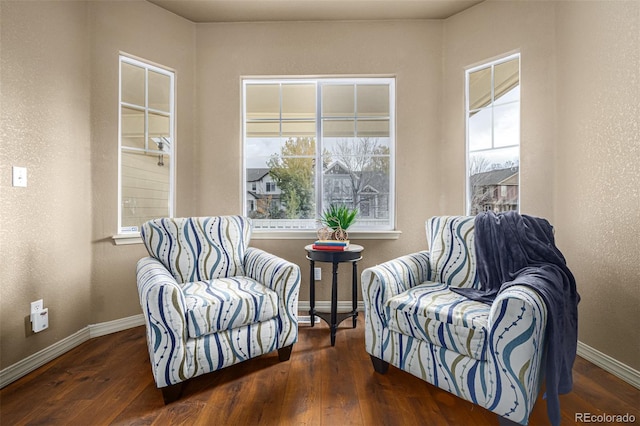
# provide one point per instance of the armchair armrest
(396, 276)
(382, 282)
(283, 277)
(516, 324)
(163, 307)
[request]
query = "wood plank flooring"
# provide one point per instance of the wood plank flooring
(108, 381)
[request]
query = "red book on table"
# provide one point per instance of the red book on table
(328, 248)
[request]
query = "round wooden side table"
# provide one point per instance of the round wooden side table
(352, 254)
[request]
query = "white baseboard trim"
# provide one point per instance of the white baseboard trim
(612, 365)
(104, 328)
(325, 306)
(306, 319)
(40, 358)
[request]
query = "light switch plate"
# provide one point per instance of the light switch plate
(20, 176)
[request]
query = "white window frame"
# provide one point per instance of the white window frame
(126, 233)
(383, 232)
(489, 64)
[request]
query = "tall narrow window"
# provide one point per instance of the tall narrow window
(310, 143)
(147, 145)
(493, 136)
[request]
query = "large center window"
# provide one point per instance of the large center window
(312, 143)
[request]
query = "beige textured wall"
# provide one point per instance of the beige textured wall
(598, 169)
(59, 82)
(140, 29)
(580, 146)
(45, 228)
(411, 51)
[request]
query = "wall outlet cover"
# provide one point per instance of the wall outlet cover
(36, 307)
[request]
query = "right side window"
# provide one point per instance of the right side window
(493, 136)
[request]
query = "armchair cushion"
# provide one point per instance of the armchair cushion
(227, 303)
(433, 313)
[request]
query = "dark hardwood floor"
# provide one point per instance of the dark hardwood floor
(108, 380)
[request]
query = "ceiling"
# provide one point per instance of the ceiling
(312, 10)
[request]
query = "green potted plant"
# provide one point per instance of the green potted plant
(339, 218)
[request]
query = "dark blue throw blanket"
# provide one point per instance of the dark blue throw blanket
(514, 249)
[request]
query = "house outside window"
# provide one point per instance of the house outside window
(271, 186)
(320, 142)
(493, 136)
(147, 144)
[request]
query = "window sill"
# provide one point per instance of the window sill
(125, 239)
(134, 238)
(312, 235)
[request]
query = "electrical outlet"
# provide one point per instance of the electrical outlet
(317, 274)
(36, 307)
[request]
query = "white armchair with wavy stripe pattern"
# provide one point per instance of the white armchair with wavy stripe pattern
(490, 355)
(209, 300)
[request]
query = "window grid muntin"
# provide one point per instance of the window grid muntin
(170, 153)
(490, 107)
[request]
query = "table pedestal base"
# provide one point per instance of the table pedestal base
(340, 316)
(334, 318)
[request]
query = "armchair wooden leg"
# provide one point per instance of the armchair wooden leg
(172, 393)
(285, 353)
(379, 365)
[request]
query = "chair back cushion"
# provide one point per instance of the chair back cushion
(200, 248)
(452, 251)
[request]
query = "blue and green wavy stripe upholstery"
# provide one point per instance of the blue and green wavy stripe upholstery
(195, 249)
(227, 303)
(452, 257)
(209, 300)
(431, 312)
(488, 354)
